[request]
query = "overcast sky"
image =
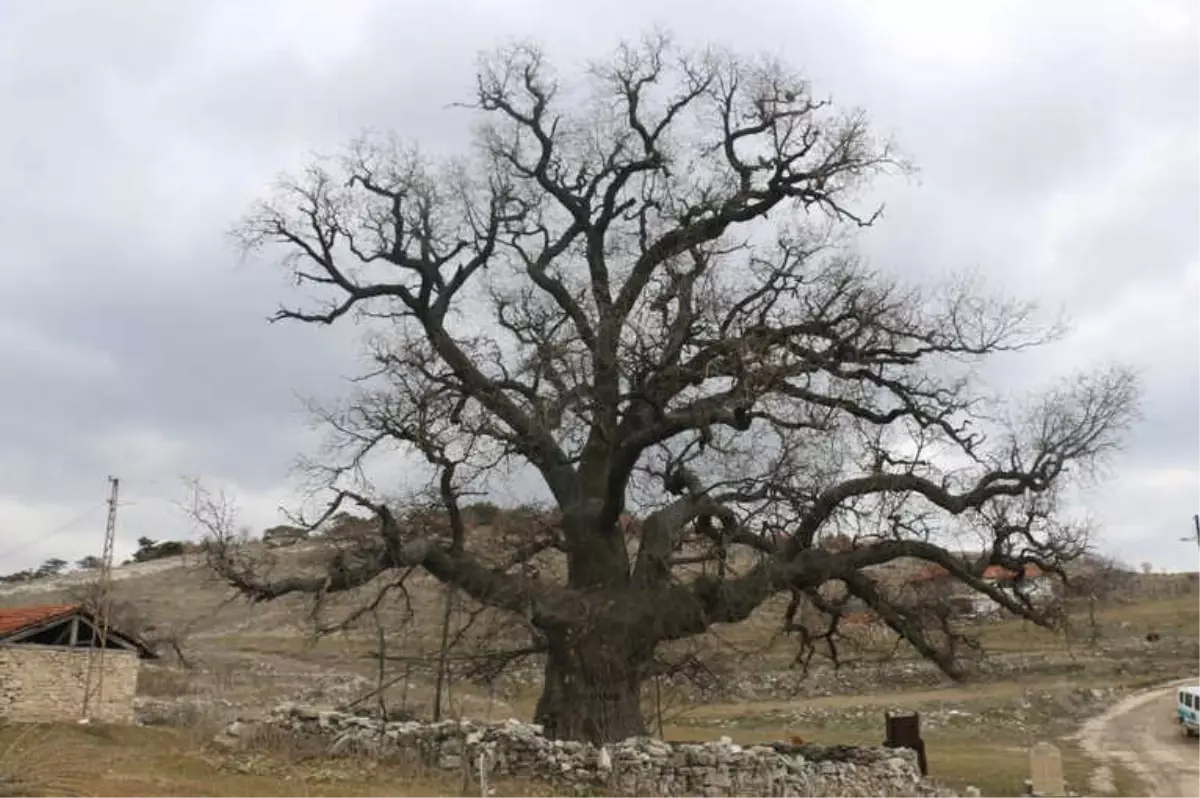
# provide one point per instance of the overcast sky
(1057, 143)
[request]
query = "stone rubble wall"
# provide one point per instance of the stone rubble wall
(638, 766)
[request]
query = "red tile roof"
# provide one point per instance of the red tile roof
(18, 619)
(930, 573)
(1000, 572)
(14, 619)
(996, 572)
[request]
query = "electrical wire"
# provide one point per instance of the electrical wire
(53, 533)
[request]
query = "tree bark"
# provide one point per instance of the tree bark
(592, 689)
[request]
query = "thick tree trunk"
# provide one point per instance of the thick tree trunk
(596, 555)
(592, 690)
(596, 665)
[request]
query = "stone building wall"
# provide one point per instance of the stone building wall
(46, 683)
(633, 767)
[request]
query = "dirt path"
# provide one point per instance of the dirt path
(1142, 735)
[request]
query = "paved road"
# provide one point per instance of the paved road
(1142, 735)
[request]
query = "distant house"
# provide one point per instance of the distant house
(284, 535)
(44, 653)
(1034, 584)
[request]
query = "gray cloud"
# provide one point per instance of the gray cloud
(1057, 146)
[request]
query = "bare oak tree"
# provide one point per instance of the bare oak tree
(635, 285)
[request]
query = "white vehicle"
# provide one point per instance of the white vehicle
(1189, 710)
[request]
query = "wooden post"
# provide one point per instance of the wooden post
(440, 685)
(658, 703)
(903, 730)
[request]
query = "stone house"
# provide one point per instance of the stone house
(44, 665)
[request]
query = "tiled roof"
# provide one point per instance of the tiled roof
(18, 619)
(14, 619)
(1000, 572)
(931, 573)
(996, 572)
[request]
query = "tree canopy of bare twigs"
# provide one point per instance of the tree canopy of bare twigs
(638, 285)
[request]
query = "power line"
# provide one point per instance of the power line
(66, 526)
(55, 532)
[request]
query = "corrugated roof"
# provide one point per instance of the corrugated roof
(14, 619)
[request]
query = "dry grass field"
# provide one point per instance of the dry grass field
(68, 759)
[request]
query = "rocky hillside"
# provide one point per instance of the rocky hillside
(261, 653)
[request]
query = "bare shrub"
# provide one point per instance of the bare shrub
(160, 682)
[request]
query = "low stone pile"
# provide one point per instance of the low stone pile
(183, 711)
(637, 766)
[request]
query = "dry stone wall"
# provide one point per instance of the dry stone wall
(633, 767)
(46, 683)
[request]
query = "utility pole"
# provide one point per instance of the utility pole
(93, 686)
